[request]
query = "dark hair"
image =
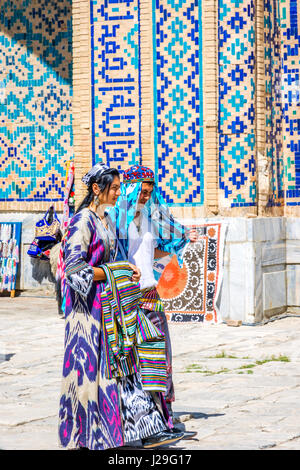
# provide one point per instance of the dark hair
(104, 182)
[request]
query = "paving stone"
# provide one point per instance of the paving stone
(235, 409)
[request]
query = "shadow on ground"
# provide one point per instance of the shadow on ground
(194, 415)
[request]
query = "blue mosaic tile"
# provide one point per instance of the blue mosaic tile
(178, 100)
(116, 93)
(274, 150)
(290, 25)
(237, 162)
(35, 99)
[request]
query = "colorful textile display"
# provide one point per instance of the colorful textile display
(150, 300)
(134, 343)
(190, 292)
(154, 309)
(40, 249)
(10, 237)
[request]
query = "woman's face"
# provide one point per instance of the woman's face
(146, 192)
(109, 196)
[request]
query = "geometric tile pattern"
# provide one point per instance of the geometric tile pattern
(178, 100)
(115, 74)
(274, 105)
(36, 92)
(35, 98)
(237, 152)
(290, 48)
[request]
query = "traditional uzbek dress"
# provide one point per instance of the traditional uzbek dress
(97, 410)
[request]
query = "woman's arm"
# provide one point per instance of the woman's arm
(192, 237)
(160, 254)
(99, 274)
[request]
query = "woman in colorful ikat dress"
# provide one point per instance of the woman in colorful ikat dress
(96, 412)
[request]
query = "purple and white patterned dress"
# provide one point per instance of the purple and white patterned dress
(93, 410)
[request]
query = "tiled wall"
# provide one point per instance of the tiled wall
(282, 70)
(237, 149)
(115, 75)
(178, 100)
(177, 92)
(290, 56)
(121, 49)
(35, 100)
(273, 102)
(239, 100)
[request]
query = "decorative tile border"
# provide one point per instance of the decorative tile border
(115, 82)
(290, 46)
(273, 103)
(35, 100)
(178, 100)
(237, 128)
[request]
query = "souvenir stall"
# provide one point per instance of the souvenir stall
(10, 239)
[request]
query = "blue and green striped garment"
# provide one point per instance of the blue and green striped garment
(133, 343)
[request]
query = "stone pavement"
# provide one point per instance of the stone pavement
(238, 387)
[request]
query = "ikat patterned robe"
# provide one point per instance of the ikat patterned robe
(89, 410)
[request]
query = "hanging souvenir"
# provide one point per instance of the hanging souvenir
(48, 228)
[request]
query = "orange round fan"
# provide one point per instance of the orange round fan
(173, 280)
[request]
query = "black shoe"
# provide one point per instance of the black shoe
(162, 438)
(186, 434)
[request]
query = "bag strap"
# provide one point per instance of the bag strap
(50, 214)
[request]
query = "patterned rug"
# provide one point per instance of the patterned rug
(190, 293)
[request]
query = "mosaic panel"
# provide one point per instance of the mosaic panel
(238, 168)
(236, 99)
(290, 38)
(237, 162)
(116, 94)
(273, 123)
(35, 98)
(178, 100)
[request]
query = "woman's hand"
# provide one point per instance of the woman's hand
(193, 235)
(136, 273)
